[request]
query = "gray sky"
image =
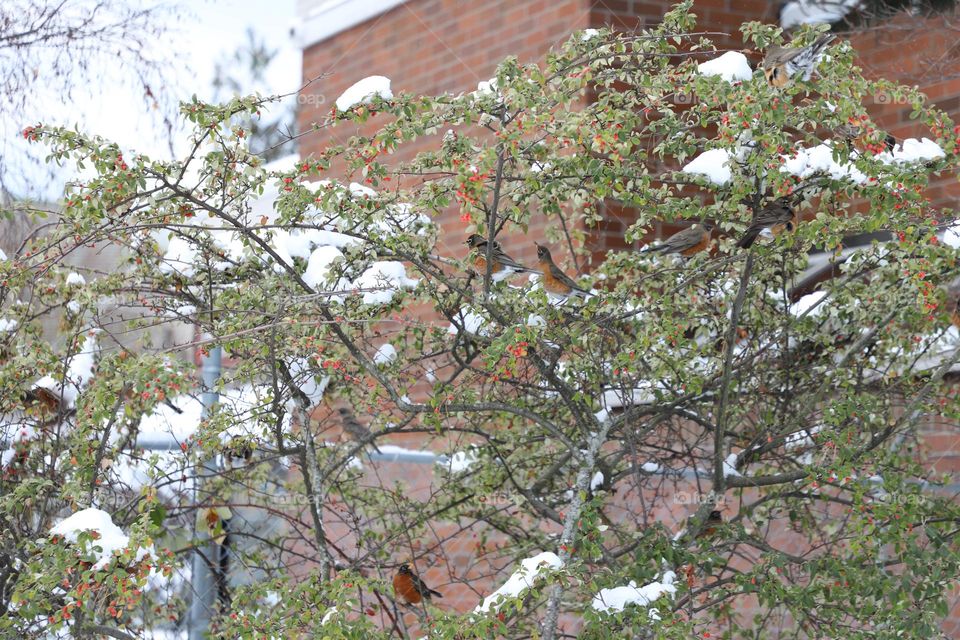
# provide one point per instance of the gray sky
(207, 31)
(203, 32)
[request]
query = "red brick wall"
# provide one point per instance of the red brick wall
(433, 47)
(436, 46)
(921, 52)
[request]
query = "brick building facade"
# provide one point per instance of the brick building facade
(438, 46)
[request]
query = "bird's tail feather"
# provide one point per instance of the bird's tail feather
(748, 238)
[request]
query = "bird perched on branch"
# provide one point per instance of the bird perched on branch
(555, 281)
(773, 219)
(781, 64)
(854, 133)
(409, 588)
(709, 528)
(503, 265)
(685, 242)
(953, 301)
(356, 430)
(48, 400)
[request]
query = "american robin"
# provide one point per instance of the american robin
(709, 528)
(775, 218)
(686, 242)
(353, 427)
(781, 64)
(503, 265)
(852, 133)
(47, 400)
(953, 301)
(409, 588)
(555, 281)
(128, 393)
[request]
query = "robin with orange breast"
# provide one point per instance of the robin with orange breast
(782, 64)
(409, 588)
(555, 281)
(772, 220)
(503, 265)
(710, 525)
(686, 242)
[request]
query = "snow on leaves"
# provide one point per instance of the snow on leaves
(531, 570)
(364, 91)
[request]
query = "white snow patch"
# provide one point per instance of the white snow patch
(364, 91)
(535, 320)
(643, 393)
(819, 159)
(809, 303)
(461, 461)
(402, 218)
(487, 87)
(384, 279)
(803, 441)
(358, 190)
(301, 244)
(317, 272)
(470, 320)
(730, 466)
(530, 570)
(913, 150)
(332, 611)
(587, 34)
(388, 450)
(179, 258)
(596, 481)
(951, 235)
(800, 439)
(616, 599)
(650, 467)
(7, 325)
(246, 405)
(111, 537)
(732, 66)
(75, 279)
(386, 354)
(305, 376)
(712, 164)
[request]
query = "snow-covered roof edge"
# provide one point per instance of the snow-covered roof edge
(321, 20)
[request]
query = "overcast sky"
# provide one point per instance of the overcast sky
(206, 32)
(202, 33)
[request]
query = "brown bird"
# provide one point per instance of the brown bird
(503, 265)
(356, 430)
(781, 64)
(852, 132)
(775, 218)
(46, 400)
(685, 242)
(709, 528)
(953, 301)
(556, 281)
(409, 588)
